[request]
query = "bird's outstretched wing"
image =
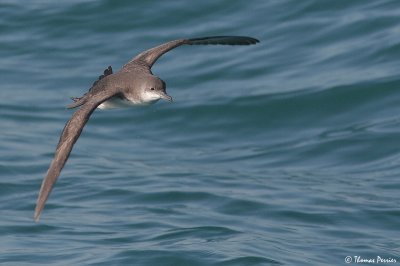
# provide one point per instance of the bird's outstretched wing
(69, 136)
(148, 58)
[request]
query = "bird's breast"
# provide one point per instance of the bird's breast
(121, 102)
(117, 102)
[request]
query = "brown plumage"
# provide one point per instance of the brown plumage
(134, 84)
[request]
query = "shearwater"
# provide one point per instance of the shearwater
(133, 84)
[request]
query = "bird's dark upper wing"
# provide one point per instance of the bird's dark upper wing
(69, 136)
(148, 58)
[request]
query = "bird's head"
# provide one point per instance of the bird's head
(153, 89)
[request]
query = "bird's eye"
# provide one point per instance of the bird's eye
(152, 89)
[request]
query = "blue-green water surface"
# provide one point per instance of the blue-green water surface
(282, 153)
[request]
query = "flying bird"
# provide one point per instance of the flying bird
(133, 84)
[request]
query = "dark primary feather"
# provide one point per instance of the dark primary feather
(224, 40)
(147, 58)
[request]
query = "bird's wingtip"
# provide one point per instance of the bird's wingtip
(224, 40)
(36, 217)
(38, 211)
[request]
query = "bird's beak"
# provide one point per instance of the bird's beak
(166, 97)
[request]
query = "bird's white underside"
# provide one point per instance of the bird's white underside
(117, 102)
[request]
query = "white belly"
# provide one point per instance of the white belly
(117, 102)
